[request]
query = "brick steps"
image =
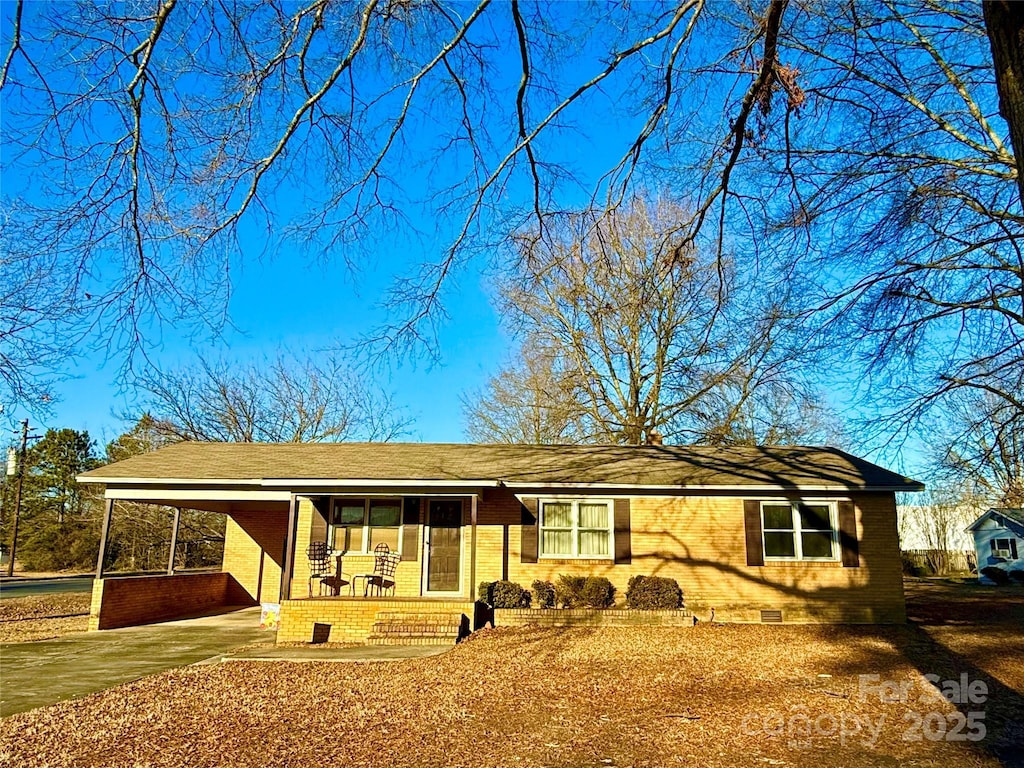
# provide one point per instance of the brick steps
(416, 628)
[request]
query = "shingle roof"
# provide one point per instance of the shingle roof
(659, 466)
(1010, 512)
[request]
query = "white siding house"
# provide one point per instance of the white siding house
(999, 540)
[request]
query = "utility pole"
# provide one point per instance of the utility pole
(17, 494)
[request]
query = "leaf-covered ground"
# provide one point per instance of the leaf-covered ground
(42, 617)
(712, 695)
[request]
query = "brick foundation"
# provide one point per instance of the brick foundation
(351, 620)
(560, 617)
(132, 600)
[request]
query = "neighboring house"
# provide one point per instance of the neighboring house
(999, 540)
(751, 532)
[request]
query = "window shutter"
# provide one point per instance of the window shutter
(530, 523)
(623, 544)
(992, 547)
(318, 530)
(410, 527)
(752, 527)
(1013, 548)
(848, 534)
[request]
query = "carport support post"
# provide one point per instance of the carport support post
(174, 540)
(472, 541)
(289, 550)
(108, 510)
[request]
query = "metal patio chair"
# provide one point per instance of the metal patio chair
(384, 566)
(323, 568)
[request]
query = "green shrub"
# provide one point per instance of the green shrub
(598, 592)
(997, 575)
(653, 593)
(544, 594)
(503, 594)
(1017, 575)
(584, 592)
(569, 591)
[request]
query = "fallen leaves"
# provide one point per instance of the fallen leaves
(42, 617)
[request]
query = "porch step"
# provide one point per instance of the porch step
(416, 628)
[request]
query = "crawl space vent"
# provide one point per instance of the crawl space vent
(771, 617)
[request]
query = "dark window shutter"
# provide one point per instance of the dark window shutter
(623, 544)
(848, 534)
(318, 530)
(1013, 548)
(529, 526)
(752, 527)
(410, 528)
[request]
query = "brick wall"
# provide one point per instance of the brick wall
(133, 600)
(254, 550)
(350, 619)
(699, 541)
(519, 617)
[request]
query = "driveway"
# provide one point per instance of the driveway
(35, 674)
(22, 587)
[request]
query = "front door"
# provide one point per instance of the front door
(444, 545)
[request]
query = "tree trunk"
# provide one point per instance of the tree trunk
(1004, 22)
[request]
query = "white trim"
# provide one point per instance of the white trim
(193, 494)
(575, 501)
(797, 531)
(539, 487)
(412, 482)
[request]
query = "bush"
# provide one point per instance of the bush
(598, 592)
(544, 593)
(653, 593)
(997, 575)
(913, 566)
(503, 594)
(1017, 575)
(569, 591)
(584, 592)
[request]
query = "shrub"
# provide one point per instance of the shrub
(503, 594)
(1017, 575)
(569, 591)
(653, 593)
(913, 566)
(584, 592)
(598, 592)
(544, 593)
(997, 575)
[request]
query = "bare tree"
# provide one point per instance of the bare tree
(635, 331)
(856, 148)
(531, 401)
(979, 446)
(284, 399)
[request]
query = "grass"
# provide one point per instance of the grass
(715, 695)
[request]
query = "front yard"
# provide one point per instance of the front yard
(711, 695)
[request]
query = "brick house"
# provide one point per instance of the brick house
(753, 532)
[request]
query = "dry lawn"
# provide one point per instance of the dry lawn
(709, 696)
(43, 617)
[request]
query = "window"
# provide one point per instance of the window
(359, 525)
(1004, 548)
(803, 530)
(575, 528)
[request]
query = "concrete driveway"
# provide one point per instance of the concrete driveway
(35, 674)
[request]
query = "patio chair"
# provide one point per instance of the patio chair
(320, 566)
(384, 566)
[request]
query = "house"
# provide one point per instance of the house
(999, 540)
(755, 533)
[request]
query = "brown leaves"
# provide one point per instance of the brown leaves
(581, 697)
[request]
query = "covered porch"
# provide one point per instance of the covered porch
(430, 532)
